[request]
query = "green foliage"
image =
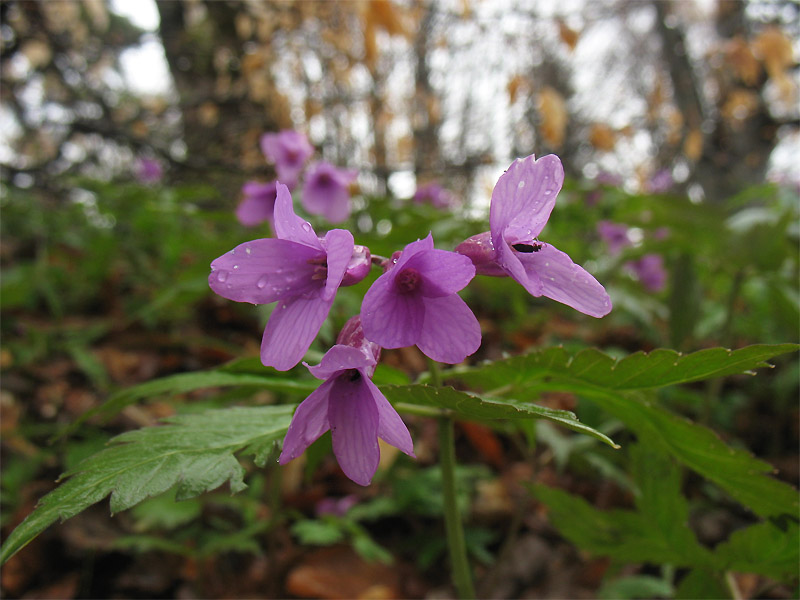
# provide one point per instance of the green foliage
(192, 453)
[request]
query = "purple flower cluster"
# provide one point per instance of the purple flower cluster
(326, 189)
(414, 302)
(434, 194)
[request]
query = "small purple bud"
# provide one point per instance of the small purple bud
(480, 250)
(358, 267)
(353, 335)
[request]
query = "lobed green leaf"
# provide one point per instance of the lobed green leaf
(637, 371)
(469, 406)
(193, 453)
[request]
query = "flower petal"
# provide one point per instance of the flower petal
(443, 273)
(262, 271)
(327, 192)
(509, 261)
(339, 246)
(254, 209)
(288, 226)
(340, 358)
(353, 416)
(525, 194)
(390, 319)
(391, 428)
(309, 422)
(291, 328)
(450, 332)
(412, 249)
(568, 283)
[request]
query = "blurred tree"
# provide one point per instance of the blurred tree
(437, 87)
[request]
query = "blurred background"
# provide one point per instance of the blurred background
(128, 127)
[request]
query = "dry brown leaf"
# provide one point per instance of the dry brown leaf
(567, 35)
(602, 137)
(385, 15)
(742, 61)
(554, 113)
(98, 13)
(515, 85)
(337, 572)
(693, 145)
(740, 105)
(208, 114)
(37, 52)
(775, 49)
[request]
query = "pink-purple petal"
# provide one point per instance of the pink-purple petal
(353, 416)
(310, 421)
(289, 226)
(262, 271)
(509, 261)
(412, 249)
(568, 283)
(391, 428)
(526, 194)
(341, 358)
(450, 332)
(390, 319)
(292, 327)
(339, 247)
(443, 273)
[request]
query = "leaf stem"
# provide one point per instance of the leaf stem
(459, 565)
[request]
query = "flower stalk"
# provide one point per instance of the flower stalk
(457, 548)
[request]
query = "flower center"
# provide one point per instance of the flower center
(352, 374)
(407, 280)
(528, 248)
(320, 267)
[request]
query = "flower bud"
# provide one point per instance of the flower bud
(358, 267)
(353, 335)
(480, 250)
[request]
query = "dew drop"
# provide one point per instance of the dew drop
(307, 227)
(248, 250)
(235, 266)
(521, 184)
(222, 276)
(262, 283)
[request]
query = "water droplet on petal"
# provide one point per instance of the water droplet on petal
(248, 250)
(307, 227)
(235, 266)
(521, 184)
(262, 283)
(222, 276)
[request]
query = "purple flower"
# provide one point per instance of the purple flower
(522, 202)
(149, 170)
(614, 235)
(649, 269)
(258, 203)
(415, 302)
(434, 194)
(660, 182)
(327, 191)
(288, 151)
(337, 507)
(355, 411)
(297, 269)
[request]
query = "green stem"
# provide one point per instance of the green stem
(459, 565)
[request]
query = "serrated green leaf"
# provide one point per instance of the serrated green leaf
(764, 548)
(641, 370)
(318, 533)
(636, 586)
(193, 452)
(625, 535)
(187, 382)
(699, 583)
(736, 471)
(473, 407)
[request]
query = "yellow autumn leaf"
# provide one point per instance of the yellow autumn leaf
(567, 35)
(742, 61)
(602, 137)
(553, 110)
(693, 145)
